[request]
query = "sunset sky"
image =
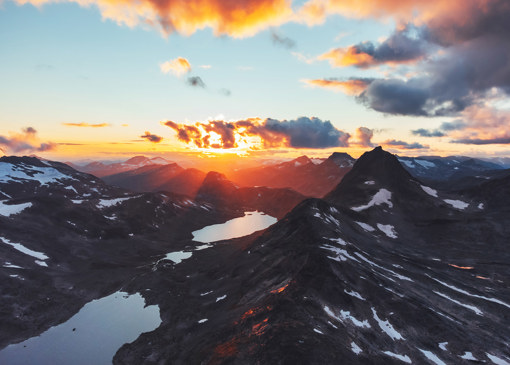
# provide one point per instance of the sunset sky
(272, 78)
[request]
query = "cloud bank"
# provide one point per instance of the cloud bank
(24, 142)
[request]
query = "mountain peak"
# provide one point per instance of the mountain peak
(137, 160)
(341, 159)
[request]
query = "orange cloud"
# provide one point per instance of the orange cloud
(24, 142)
(88, 125)
(238, 18)
(481, 125)
(342, 57)
(349, 87)
(255, 133)
(178, 66)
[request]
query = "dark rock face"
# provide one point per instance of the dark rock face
(384, 270)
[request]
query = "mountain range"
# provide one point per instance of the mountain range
(384, 269)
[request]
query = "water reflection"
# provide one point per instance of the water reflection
(92, 336)
(237, 227)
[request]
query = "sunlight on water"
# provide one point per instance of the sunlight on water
(237, 227)
(92, 336)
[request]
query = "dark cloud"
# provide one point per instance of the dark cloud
(196, 81)
(299, 133)
(403, 46)
(427, 133)
(404, 145)
(281, 41)
(151, 137)
(453, 126)
(466, 58)
(479, 141)
(24, 142)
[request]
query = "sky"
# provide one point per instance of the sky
(105, 79)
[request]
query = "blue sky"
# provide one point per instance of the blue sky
(63, 63)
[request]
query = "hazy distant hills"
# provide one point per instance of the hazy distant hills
(306, 176)
(385, 269)
(100, 169)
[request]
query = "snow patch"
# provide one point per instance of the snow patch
(387, 327)
(426, 164)
(42, 175)
(480, 206)
(221, 298)
(354, 294)
(341, 254)
(11, 266)
(496, 360)
(388, 230)
(208, 292)
(355, 348)
(430, 191)
(203, 320)
(11, 209)
(470, 307)
(403, 358)
(23, 249)
(318, 331)
(106, 203)
(442, 346)
(409, 164)
(468, 356)
(366, 227)
(344, 315)
(383, 196)
(458, 204)
(369, 182)
(432, 357)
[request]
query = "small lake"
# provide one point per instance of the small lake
(101, 327)
(237, 227)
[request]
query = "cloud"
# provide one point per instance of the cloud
(238, 19)
(281, 41)
(478, 141)
(399, 48)
(225, 92)
(151, 137)
(404, 145)
(195, 81)
(464, 48)
(178, 66)
(86, 125)
(348, 86)
(427, 133)
(269, 133)
(364, 136)
(24, 142)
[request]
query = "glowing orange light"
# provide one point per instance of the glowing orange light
(462, 267)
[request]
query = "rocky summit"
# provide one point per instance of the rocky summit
(386, 269)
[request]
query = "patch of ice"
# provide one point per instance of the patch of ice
(203, 320)
(355, 348)
(70, 187)
(458, 204)
(432, 357)
(11, 266)
(387, 327)
(442, 345)
(494, 300)
(354, 294)
(430, 191)
(366, 227)
(403, 358)
(468, 356)
(23, 249)
(344, 315)
(496, 360)
(341, 254)
(470, 307)
(388, 230)
(383, 196)
(424, 163)
(42, 175)
(221, 298)
(9, 209)
(106, 203)
(409, 164)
